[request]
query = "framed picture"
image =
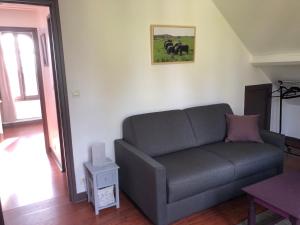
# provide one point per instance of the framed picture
(172, 44)
(44, 49)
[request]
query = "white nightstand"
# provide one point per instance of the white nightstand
(99, 177)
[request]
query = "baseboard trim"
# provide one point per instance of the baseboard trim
(22, 122)
(80, 197)
(53, 155)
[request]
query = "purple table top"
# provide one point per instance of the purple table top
(282, 192)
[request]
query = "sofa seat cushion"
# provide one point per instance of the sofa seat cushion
(248, 158)
(193, 171)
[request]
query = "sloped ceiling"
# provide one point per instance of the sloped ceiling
(265, 26)
(270, 30)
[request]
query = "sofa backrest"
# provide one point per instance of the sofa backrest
(208, 122)
(159, 133)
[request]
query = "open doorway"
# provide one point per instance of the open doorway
(31, 145)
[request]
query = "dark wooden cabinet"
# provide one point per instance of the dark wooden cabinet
(258, 99)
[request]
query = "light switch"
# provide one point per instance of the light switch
(76, 93)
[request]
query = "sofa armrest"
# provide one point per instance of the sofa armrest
(273, 139)
(144, 180)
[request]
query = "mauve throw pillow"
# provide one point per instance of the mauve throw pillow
(243, 128)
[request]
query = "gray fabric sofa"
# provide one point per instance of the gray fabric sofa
(175, 163)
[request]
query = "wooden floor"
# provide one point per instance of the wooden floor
(27, 174)
(59, 211)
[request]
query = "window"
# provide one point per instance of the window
(20, 60)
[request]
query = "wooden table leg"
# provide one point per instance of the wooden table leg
(251, 212)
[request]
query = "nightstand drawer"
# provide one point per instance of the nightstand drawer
(106, 179)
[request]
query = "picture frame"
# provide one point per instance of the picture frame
(172, 44)
(44, 49)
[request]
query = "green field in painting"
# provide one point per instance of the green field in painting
(160, 54)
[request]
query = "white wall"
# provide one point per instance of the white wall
(107, 56)
(290, 116)
(291, 121)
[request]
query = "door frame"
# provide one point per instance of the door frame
(60, 86)
(61, 163)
